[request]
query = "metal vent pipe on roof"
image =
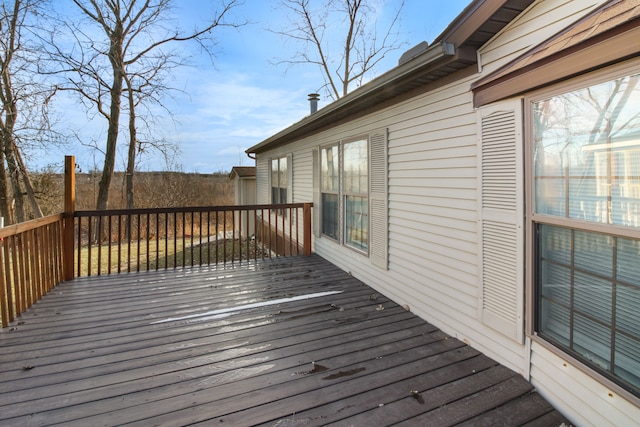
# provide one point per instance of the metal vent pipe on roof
(313, 102)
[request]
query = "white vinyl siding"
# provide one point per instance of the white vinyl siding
(542, 19)
(501, 233)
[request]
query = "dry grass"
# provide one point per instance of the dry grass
(161, 254)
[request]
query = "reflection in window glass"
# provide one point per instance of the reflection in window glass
(355, 190)
(330, 164)
(356, 222)
(330, 215)
(330, 169)
(587, 153)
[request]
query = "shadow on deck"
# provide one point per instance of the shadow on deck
(282, 342)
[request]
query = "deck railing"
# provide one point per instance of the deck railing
(31, 263)
(36, 256)
(115, 241)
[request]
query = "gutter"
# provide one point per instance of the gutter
(433, 53)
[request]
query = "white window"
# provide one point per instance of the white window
(279, 180)
(585, 144)
(345, 192)
(350, 194)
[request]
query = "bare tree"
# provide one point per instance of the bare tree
(125, 64)
(23, 104)
(345, 59)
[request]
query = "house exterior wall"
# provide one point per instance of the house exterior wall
(245, 194)
(434, 238)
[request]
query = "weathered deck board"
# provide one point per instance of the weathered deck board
(105, 351)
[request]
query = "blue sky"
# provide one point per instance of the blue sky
(244, 98)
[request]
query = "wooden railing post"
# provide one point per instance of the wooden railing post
(69, 209)
(306, 235)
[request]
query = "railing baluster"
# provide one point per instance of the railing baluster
(89, 242)
(28, 268)
(11, 298)
(138, 240)
(5, 289)
(217, 245)
(233, 237)
(175, 240)
(248, 234)
(157, 241)
(109, 231)
(208, 237)
(192, 234)
(36, 257)
(166, 241)
(128, 231)
(119, 243)
(99, 245)
(200, 238)
(224, 237)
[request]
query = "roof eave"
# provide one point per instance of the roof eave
(433, 53)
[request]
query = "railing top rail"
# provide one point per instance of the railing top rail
(13, 229)
(144, 211)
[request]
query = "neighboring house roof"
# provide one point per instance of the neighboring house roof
(243, 172)
(609, 33)
(451, 52)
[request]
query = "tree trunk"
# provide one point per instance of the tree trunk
(14, 178)
(133, 143)
(117, 62)
(26, 179)
(4, 192)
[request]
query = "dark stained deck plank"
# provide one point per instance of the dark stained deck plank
(104, 351)
(526, 409)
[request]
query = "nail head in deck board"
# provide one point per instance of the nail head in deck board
(98, 359)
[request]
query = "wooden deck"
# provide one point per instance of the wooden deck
(283, 342)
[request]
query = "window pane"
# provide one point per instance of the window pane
(550, 196)
(628, 265)
(588, 299)
(627, 357)
(356, 165)
(593, 252)
(282, 180)
(275, 176)
(588, 142)
(330, 215)
(357, 222)
(330, 163)
(592, 341)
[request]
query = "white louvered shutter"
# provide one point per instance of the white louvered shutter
(290, 198)
(378, 208)
(317, 209)
(501, 222)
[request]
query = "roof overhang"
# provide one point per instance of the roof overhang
(609, 34)
(454, 50)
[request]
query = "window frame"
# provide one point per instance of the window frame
(534, 220)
